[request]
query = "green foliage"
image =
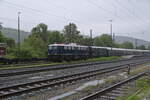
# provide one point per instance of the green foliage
(2, 38)
(148, 47)
(142, 47)
(36, 45)
(104, 58)
(104, 40)
(10, 45)
(12, 52)
(41, 30)
(143, 87)
(87, 41)
(55, 37)
(127, 45)
(71, 33)
(10, 42)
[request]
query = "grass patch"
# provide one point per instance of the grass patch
(73, 62)
(29, 66)
(89, 88)
(140, 69)
(104, 58)
(143, 87)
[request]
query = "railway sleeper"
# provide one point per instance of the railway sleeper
(118, 92)
(114, 94)
(107, 98)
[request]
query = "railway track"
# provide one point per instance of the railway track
(114, 91)
(52, 68)
(57, 81)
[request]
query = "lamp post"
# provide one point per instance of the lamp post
(1, 26)
(111, 33)
(19, 33)
(91, 36)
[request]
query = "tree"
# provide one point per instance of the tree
(2, 38)
(37, 43)
(104, 40)
(87, 41)
(71, 33)
(41, 30)
(127, 45)
(142, 47)
(55, 37)
(9, 41)
(148, 47)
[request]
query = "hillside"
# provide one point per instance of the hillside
(13, 33)
(121, 39)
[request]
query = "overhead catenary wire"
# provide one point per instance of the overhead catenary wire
(138, 25)
(39, 11)
(133, 5)
(136, 16)
(110, 12)
(15, 20)
(107, 11)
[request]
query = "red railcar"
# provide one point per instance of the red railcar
(2, 49)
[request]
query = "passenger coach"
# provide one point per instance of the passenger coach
(68, 52)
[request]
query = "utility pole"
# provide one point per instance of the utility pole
(91, 31)
(113, 38)
(135, 43)
(111, 33)
(0, 26)
(19, 33)
(70, 32)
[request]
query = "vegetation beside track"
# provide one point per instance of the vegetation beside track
(112, 79)
(142, 68)
(143, 90)
(142, 86)
(61, 63)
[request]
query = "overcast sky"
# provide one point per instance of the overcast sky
(130, 17)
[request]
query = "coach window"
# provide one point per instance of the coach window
(78, 48)
(65, 48)
(55, 48)
(50, 48)
(72, 48)
(68, 47)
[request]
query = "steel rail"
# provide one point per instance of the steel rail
(52, 82)
(102, 92)
(36, 70)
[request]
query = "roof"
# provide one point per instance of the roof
(108, 48)
(71, 44)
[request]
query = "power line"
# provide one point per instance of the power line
(38, 11)
(138, 9)
(131, 16)
(48, 1)
(15, 20)
(108, 11)
(140, 19)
